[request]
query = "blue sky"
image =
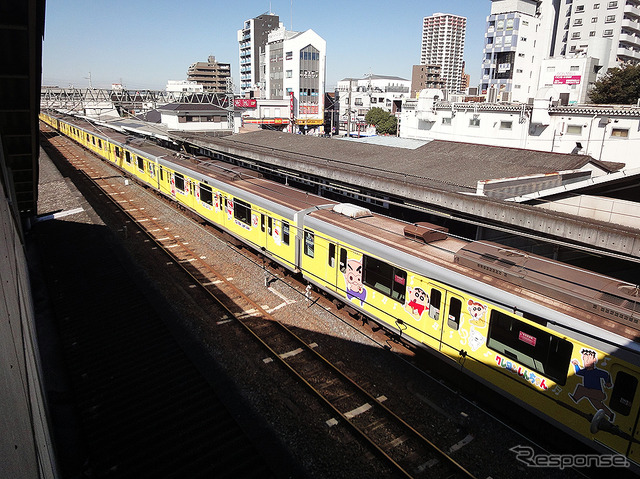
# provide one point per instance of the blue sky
(144, 43)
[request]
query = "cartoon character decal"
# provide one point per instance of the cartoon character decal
(416, 302)
(592, 379)
(353, 281)
(477, 312)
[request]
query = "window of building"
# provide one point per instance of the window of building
(446, 120)
(384, 278)
(509, 23)
(500, 25)
(577, 21)
(474, 122)
(574, 129)
(620, 132)
(308, 243)
(525, 22)
(596, 6)
(612, 4)
(610, 19)
(289, 56)
(289, 74)
(530, 346)
(579, 8)
(507, 40)
(506, 125)
(592, 33)
(575, 35)
(594, 19)
(551, 69)
(607, 33)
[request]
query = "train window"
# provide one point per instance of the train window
(269, 226)
(206, 196)
(117, 150)
(624, 391)
(285, 232)
(99, 143)
(263, 223)
(161, 173)
(434, 303)
(541, 351)
(453, 319)
(332, 255)
(179, 181)
(343, 260)
(127, 157)
(152, 172)
(308, 243)
(535, 319)
(93, 140)
(385, 278)
(242, 211)
(141, 165)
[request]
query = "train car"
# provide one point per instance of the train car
(560, 341)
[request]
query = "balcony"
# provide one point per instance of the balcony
(629, 40)
(632, 9)
(626, 54)
(631, 25)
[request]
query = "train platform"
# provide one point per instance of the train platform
(124, 398)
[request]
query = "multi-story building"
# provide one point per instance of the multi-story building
(606, 29)
(358, 96)
(252, 39)
(425, 77)
(443, 38)
(212, 75)
(294, 66)
(519, 35)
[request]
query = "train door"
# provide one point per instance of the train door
(621, 401)
(453, 332)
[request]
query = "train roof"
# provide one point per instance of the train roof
(601, 301)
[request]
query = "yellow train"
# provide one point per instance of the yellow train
(557, 340)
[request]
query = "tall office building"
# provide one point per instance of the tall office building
(252, 39)
(211, 74)
(443, 44)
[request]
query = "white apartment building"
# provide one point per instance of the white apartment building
(252, 39)
(604, 132)
(443, 38)
(294, 69)
(606, 29)
(358, 96)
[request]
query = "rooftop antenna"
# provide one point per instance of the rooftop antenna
(89, 78)
(291, 27)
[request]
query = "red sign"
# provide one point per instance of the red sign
(245, 103)
(566, 79)
(527, 338)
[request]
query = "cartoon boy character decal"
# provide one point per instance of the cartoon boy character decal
(592, 378)
(477, 312)
(353, 281)
(417, 302)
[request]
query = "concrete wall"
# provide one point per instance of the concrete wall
(25, 446)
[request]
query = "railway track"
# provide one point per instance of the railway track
(396, 443)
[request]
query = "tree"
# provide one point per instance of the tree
(619, 86)
(384, 121)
